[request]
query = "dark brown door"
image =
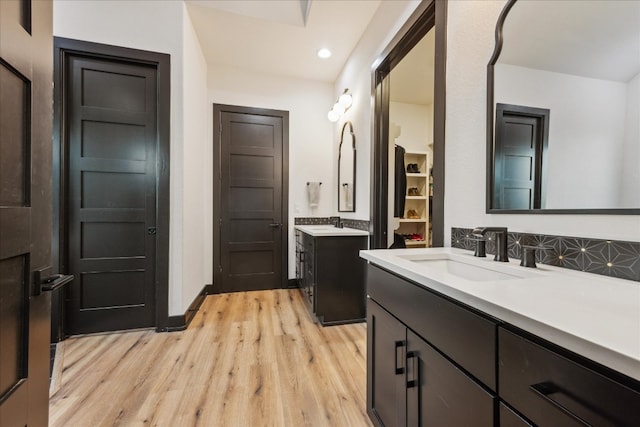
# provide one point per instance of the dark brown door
(520, 141)
(26, 52)
(111, 118)
(252, 214)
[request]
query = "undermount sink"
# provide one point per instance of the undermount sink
(469, 269)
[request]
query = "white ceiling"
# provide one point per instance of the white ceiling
(272, 37)
(597, 39)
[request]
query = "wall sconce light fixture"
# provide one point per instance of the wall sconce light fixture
(341, 106)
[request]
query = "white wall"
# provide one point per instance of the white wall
(159, 26)
(586, 132)
(196, 265)
(470, 43)
(313, 152)
(630, 177)
(416, 122)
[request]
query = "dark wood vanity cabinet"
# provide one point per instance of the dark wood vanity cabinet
(332, 276)
(434, 361)
(411, 380)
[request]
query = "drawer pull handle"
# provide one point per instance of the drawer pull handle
(545, 389)
(399, 345)
(414, 382)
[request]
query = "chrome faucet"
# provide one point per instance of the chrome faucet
(501, 241)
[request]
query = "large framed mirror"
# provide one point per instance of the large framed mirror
(347, 170)
(563, 108)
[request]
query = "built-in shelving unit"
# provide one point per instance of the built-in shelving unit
(416, 220)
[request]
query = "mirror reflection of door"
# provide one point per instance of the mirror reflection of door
(411, 127)
(585, 68)
(520, 157)
(347, 170)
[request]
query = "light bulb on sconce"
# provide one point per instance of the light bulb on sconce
(345, 100)
(333, 116)
(343, 103)
(338, 109)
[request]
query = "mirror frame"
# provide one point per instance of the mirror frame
(491, 141)
(353, 147)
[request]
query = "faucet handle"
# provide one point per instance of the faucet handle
(528, 258)
(480, 246)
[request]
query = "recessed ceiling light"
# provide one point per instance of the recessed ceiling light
(324, 53)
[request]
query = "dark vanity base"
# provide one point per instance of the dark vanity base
(432, 360)
(332, 277)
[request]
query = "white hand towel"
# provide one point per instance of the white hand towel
(313, 191)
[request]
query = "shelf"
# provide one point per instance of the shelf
(414, 202)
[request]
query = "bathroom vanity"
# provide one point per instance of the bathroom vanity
(458, 340)
(330, 273)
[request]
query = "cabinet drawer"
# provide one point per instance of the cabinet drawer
(553, 390)
(466, 337)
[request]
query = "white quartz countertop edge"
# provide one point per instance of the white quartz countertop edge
(595, 316)
(330, 230)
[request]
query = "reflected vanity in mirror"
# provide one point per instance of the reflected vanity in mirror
(564, 95)
(347, 170)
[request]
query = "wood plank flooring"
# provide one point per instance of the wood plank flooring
(247, 359)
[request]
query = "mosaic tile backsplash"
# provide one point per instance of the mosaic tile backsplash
(358, 224)
(607, 257)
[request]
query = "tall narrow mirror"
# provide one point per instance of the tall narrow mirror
(347, 170)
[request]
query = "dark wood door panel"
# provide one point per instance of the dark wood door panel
(14, 141)
(13, 310)
(25, 208)
(112, 140)
(251, 215)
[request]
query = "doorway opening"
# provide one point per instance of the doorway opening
(421, 213)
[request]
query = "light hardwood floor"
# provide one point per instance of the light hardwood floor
(247, 359)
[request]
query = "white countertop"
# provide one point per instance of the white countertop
(592, 315)
(330, 230)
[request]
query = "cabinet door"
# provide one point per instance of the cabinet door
(439, 394)
(386, 352)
